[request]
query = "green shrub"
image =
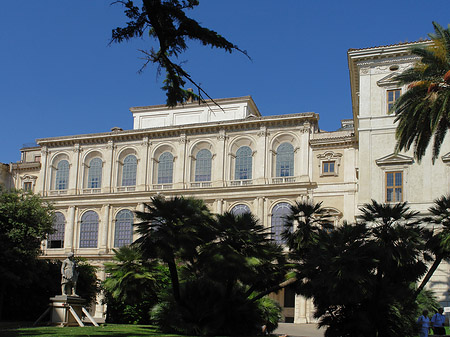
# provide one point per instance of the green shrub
(207, 309)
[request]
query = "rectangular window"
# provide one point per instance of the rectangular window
(27, 186)
(392, 96)
(37, 159)
(328, 167)
(394, 186)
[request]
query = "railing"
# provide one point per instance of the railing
(243, 182)
(92, 190)
(201, 184)
(162, 187)
(283, 180)
(58, 192)
(126, 188)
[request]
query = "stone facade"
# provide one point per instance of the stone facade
(227, 154)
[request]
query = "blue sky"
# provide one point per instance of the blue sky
(59, 76)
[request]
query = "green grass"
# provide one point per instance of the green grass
(113, 330)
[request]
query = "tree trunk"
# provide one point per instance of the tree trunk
(2, 296)
(430, 273)
(273, 289)
(175, 283)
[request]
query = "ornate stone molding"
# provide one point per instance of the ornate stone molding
(394, 159)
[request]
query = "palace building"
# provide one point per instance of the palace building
(236, 160)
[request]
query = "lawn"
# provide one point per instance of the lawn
(113, 330)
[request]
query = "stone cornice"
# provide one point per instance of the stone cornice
(343, 141)
(26, 166)
(175, 131)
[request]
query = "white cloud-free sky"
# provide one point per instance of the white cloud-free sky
(59, 75)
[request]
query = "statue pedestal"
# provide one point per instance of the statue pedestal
(66, 310)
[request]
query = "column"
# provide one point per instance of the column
(142, 173)
(259, 157)
(104, 229)
(303, 161)
(300, 309)
(69, 230)
(100, 309)
(219, 161)
(107, 177)
(179, 164)
(74, 173)
(41, 187)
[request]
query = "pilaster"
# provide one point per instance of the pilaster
(104, 225)
(68, 232)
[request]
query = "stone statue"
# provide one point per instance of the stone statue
(69, 276)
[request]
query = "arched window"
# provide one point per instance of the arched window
(129, 171)
(124, 228)
(243, 169)
(203, 165)
(240, 209)
(285, 160)
(165, 168)
(89, 230)
(95, 173)
(62, 175)
(56, 240)
(279, 213)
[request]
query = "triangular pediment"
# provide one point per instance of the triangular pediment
(388, 80)
(446, 158)
(394, 159)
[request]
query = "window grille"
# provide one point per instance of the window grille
(203, 165)
(95, 173)
(89, 230)
(165, 168)
(243, 168)
(124, 228)
(285, 160)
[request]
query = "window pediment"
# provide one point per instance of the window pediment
(388, 80)
(394, 159)
(446, 158)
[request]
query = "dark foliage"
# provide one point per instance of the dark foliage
(359, 275)
(133, 286)
(27, 300)
(219, 267)
(166, 22)
(25, 220)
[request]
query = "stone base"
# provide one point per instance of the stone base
(60, 311)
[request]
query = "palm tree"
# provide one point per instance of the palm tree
(303, 224)
(243, 254)
(131, 280)
(439, 244)
(424, 110)
(172, 230)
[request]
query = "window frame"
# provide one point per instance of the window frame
(58, 233)
(165, 173)
(58, 179)
(120, 230)
(243, 163)
(326, 167)
(94, 174)
(126, 171)
(394, 187)
(204, 170)
(389, 102)
(275, 235)
(283, 159)
(86, 231)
